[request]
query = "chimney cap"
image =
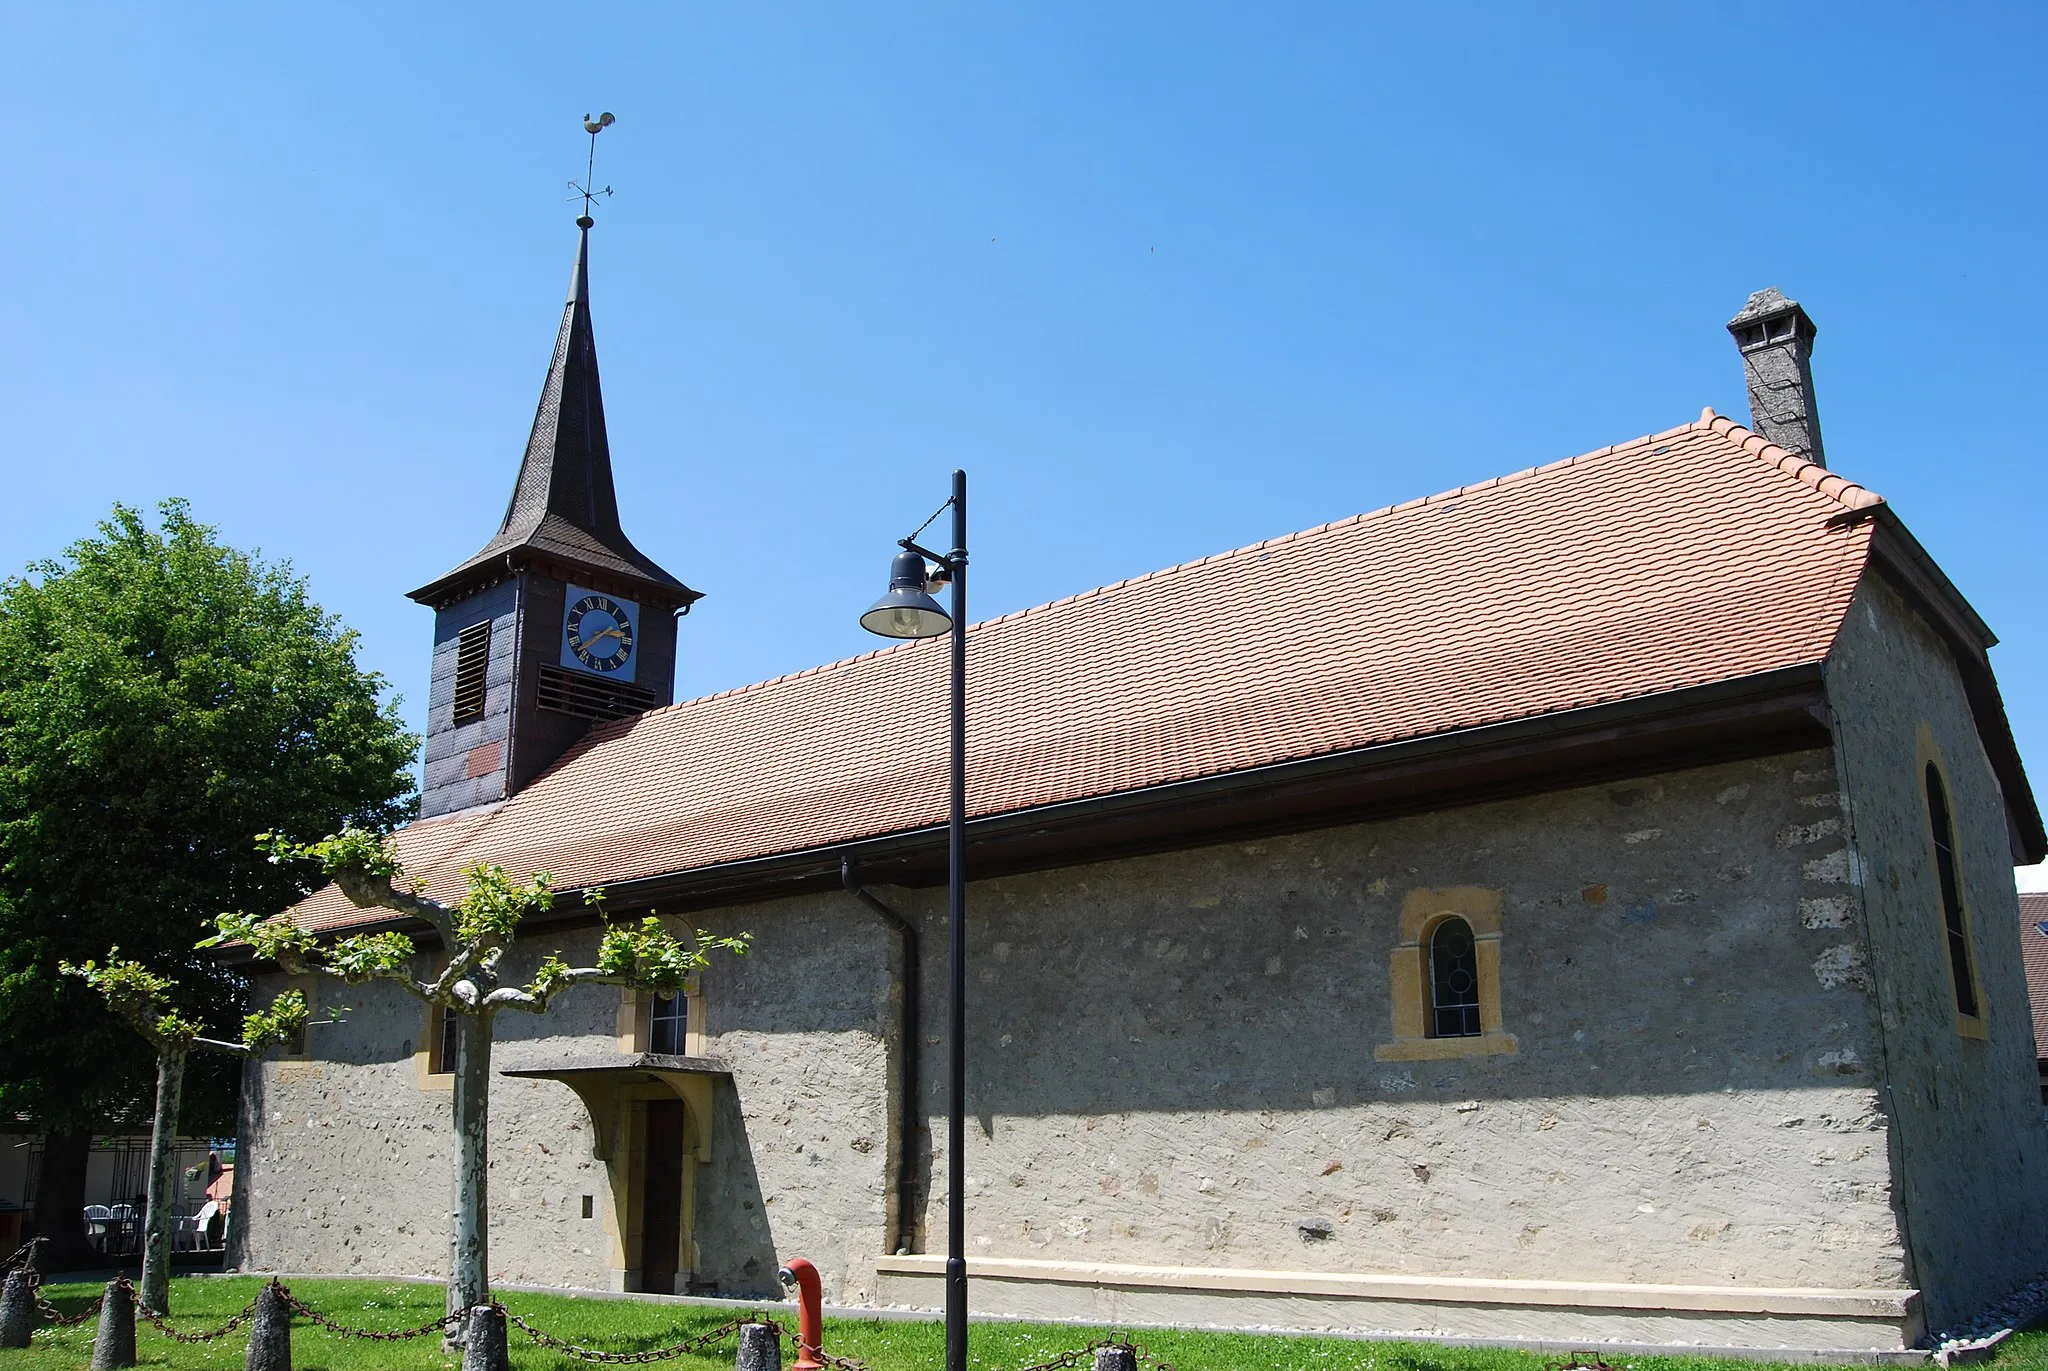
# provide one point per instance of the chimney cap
(1769, 304)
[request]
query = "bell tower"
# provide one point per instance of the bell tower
(559, 622)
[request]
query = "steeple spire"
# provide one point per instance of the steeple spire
(559, 623)
(564, 510)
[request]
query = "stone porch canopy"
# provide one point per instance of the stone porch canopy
(1663, 602)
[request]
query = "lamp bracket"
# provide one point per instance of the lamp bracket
(948, 561)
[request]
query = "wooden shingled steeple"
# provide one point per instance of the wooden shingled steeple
(564, 509)
(558, 621)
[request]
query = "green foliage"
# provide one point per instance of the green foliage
(162, 697)
(139, 996)
(284, 1020)
(271, 938)
(491, 911)
(655, 959)
(351, 850)
(551, 976)
(485, 921)
(359, 958)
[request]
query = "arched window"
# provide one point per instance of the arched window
(1453, 981)
(1951, 894)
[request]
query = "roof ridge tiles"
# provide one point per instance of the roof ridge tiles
(1838, 488)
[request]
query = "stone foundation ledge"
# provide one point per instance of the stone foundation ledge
(1785, 1323)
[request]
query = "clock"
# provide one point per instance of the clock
(598, 633)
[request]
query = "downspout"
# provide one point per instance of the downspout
(908, 1030)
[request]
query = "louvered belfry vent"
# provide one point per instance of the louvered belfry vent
(591, 697)
(472, 666)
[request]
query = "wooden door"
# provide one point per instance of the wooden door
(661, 1215)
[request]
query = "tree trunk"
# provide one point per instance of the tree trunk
(470, 1280)
(163, 1182)
(60, 1200)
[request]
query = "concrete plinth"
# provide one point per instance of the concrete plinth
(484, 1348)
(760, 1348)
(114, 1345)
(270, 1334)
(17, 1310)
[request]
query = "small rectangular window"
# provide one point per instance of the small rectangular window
(472, 665)
(668, 1024)
(443, 1041)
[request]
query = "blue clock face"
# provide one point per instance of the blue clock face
(597, 633)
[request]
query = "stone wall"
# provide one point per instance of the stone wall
(1972, 1146)
(347, 1159)
(1173, 1058)
(348, 1154)
(1173, 1063)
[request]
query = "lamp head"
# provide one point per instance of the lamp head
(908, 610)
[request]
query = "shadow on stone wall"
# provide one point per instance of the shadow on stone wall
(734, 1236)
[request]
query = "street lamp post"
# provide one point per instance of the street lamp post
(908, 611)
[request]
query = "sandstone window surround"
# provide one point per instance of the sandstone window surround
(1954, 910)
(434, 1062)
(1423, 914)
(648, 1025)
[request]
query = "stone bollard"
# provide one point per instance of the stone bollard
(270, 1334)
(1116, 1359)
(17, 1310)
(760, 1348)
(114, 1345)
(484, 1348)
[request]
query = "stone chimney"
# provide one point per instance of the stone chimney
(1776, 339)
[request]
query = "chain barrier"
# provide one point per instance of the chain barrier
(49, 1311)
(368, 1334)
(20, 1256)
(593, 1354)
(1080, 1357)
(1085, 1356)
(163, 1325)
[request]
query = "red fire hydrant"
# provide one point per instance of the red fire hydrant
(810, 1313)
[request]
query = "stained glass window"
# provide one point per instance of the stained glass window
(1453, 981)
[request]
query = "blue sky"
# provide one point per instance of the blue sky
(1166, 278)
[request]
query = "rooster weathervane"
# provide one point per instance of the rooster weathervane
(584, 188)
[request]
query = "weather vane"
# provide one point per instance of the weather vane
(593, 127)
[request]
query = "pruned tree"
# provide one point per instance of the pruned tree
(144, 1000)
(474, 934)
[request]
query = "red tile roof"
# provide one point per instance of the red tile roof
(2034, 953)
(1696, 555)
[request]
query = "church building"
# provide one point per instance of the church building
(1574, 907)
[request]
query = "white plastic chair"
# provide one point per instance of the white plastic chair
(124, 1228)
(203, 1220)
(97, 1217)
(185, 1232)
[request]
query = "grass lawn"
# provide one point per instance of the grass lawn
(620, 1325)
